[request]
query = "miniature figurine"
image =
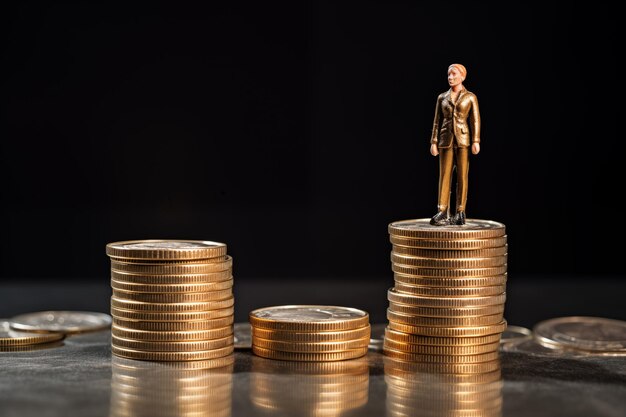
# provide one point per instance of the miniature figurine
(450, 140)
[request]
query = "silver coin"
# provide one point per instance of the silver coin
(308, 313)
(377, 337)
(61, 321)
(514, 334)
(10, 338)
(585, 333)
(243, 336)
(533, 347)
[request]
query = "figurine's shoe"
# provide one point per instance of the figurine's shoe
(459, 218)
(440, 219)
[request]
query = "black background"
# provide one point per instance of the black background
(295, 132)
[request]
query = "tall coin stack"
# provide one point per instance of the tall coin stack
(446, 309)
(172, 300)
(310, 333)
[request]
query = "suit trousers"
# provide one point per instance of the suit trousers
(449, 158)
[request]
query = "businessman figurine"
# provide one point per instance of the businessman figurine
(451, 139)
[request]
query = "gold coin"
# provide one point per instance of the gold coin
(186, 346)
(449, 292)
(413, 339)
(14, 338)
(468, 263)
(309, 357)
(171, 356)
(175, 297)
(447, 399)
(120, 313)
(182, 370)
(171, 336)
(441, 350)
(472, 229)
(165, 249)
(417, 300)
(449, 331)
(171, 307)
(307, 337)
(444, 321)
(310, 347)
(176, 326)
(441, 359)
(448, 273)
(173, 268)
(308, 318)
(448, 244)
(450, 254)
(172, 288)
(490, 368)
(450, 282)
(445, 312)
(171, 279)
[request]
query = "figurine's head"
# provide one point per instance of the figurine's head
(456, 74)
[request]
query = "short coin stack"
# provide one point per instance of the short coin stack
(172, 300)
(448, 302)
(310, 333)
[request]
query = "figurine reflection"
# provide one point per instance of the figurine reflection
(451, 139)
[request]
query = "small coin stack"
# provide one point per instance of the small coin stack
(172, 300)
(315, 389)
(412, 391)
(12, 340)
(448, 301)
(310, 333)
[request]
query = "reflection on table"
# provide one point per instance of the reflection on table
(184, 389)
(418, 389)
(320, 389)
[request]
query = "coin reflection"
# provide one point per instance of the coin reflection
(153, 389)
(413, 391)
(317, 389)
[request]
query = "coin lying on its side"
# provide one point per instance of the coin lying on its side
(515, 334)
(594, 334)
(66, 322)
(12, 338)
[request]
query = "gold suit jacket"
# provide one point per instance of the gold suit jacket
(451, 120)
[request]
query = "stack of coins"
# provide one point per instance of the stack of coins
(412, 391)
(193, 388)
(448, 301)
(17, 341)
(310, 333)
(172, 300)
(308, 388)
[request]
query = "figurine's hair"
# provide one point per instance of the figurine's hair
(459, 67)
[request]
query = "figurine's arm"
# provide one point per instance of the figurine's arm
(433, 138)
(475, 123)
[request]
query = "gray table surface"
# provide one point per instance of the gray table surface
(80, 377)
